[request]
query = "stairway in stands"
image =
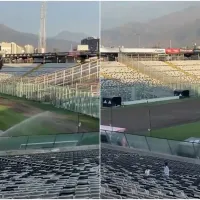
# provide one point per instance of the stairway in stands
(33, 69)
(181, 70)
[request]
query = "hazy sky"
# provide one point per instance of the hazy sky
(118, 13)
(82, 16)
(71, 16)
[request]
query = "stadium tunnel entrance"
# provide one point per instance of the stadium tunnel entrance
(109, 56)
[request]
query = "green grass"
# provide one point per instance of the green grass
(38, 131)
(180, 132)
(8, 118)
(89, 122)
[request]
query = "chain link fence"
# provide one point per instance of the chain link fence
(61, 97)
(160, 83)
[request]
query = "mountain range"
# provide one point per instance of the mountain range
(182, 28)
(67, 35)
(62, 42)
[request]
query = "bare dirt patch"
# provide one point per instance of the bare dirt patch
(6, 103)
(62, 124)
(137, 119)
(26, 110)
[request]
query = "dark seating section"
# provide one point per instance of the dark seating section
(61, 175)
(123, 176)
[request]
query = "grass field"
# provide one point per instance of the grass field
(180, 132)
(17, 116)
(9, 116)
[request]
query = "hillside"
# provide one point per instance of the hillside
(10, 35)
(67, 35)
(182, 28)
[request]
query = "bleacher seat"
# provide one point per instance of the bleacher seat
(50, 68)
(16, 69)
(62, 175)
(190, 66)
(122, 176)
(119, 80)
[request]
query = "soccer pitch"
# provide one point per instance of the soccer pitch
(27, 124)
(178, 132)
(14, 110)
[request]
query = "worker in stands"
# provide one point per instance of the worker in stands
(166, 170)
(124, 143)
(121, 141)
(147, 172)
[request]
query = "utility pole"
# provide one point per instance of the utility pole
(42, 33)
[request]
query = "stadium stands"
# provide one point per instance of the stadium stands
(55, 74)
(170, 73)
(143, 78)
(179, 74)
(66, 174)
(15, 70)
(123, 176)
(50, 68)
(123, 80)
(73, 88)
(65, 76)
(190, 66)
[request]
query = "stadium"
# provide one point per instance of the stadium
(151, 125)
(49, 130)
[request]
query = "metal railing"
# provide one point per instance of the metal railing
(69, 76)
(48, 141)
(46, 88)
(167, 80)
(133, 91)
(61, 97)
(158, 145)
(155, 57)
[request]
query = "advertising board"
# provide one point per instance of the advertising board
(111, 128)
(196, 51)
(82, 48)
(159, 51)
(109, 50)
(142, 50)
(186, 51)
(172, 51)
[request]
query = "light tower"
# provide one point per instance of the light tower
(42, 33)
